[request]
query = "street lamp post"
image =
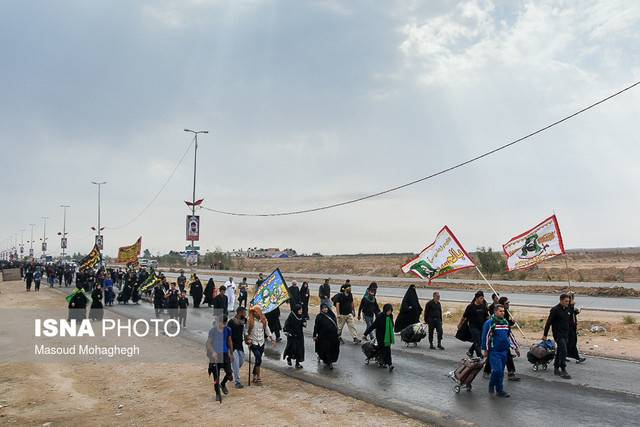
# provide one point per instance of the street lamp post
(63, 239)
(21, 242)
(31, 241)
(99, 184)
(44, 236)
(195, 158)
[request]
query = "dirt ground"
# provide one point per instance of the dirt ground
(615, 265)
(135, 394)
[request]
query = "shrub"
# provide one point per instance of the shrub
(628, 320)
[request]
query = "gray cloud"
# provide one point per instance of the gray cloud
(314, 102)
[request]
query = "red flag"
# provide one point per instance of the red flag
(197, 202)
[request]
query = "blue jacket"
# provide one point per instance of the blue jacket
(497, 337)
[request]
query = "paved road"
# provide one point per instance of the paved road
(367, 279)
(603, 392)
(628, 305)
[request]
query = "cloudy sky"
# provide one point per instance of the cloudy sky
(315, 102)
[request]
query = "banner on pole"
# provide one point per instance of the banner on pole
(271, 293)
(90, 261)
(150, 281)
(542, 242)
(445, 255)
(193, 228)
(130, 254)
(100, 242)
(63, 243)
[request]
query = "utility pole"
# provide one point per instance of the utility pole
(193, 197)
(44, 236)
(31, 241)
(63, 239)
(98, 239)
(21, 242)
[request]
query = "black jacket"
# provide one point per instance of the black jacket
(324, 291)
(221, 302)
(559, 319)
(368, 308)
(294, 296)
(432, 311)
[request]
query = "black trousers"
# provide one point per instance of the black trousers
(437, 325)
(476, 336)
(560, 361)
(216, 368)
(572, 345)
(242, 300)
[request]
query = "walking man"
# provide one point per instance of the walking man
(559, 319)
(324, 293)
(345, 310)
(237, 326)
(433, 317)
(369, 308)
(497, 340)
(475, 316)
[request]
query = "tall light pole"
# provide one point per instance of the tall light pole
(99, 184)
(21, 242)
(31, 241)
(44, 235)
(63, 238)
(195, 158)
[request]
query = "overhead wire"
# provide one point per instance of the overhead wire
(148, 205)
(433, 175)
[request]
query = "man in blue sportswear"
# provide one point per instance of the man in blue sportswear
(497, 340)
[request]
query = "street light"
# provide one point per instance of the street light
(98, 240)
(63, 239)
(31, 241)
(21, 242)
(195, 158)
(44, 236)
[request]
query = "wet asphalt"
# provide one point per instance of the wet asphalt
(614, 304)
(602, 392)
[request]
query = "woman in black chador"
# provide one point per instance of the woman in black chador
(209, 293)
(293, 328)
(325, 334)
(125, 294)
(96, 311)
(195, 290)
(410, 310)
(304, 299)
(273, 318)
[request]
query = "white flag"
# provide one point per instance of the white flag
(542, 242)
(445, 255)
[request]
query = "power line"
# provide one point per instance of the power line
(443, 171)
(160, 191)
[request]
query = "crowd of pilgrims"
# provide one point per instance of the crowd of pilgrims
(252, 328)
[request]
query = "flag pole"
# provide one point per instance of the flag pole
(497, 293)
(566, 267)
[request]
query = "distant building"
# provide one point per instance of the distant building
(265, 253)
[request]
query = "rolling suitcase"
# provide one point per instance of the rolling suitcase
(370, 351)
(466, 372)
(413, 333)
